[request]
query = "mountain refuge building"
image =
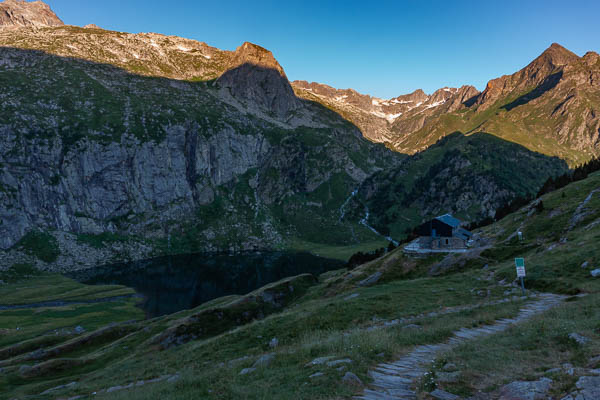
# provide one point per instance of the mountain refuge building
(439, 235)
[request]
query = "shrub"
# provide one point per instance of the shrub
(41, 245)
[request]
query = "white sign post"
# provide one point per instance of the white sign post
(520, 264)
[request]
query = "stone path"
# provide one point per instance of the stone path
(580, 212)
(380, 324)
(395, 380)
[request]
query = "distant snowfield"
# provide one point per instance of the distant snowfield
(380, 103)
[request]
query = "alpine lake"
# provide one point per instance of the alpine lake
(180, 282)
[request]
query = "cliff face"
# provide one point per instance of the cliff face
(253, 75)
(125, 161)
(19, 13)
(88, 188)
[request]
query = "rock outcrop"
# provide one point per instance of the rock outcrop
(544, 69)
(20, 13)
(254, 76)
(526, 390)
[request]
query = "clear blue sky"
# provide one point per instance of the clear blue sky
(383, 48)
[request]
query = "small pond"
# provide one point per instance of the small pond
(173, 283)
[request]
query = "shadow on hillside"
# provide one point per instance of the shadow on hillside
(264, 87)
(456, 175)
(472, 100)
(548, 84)
(457, 138)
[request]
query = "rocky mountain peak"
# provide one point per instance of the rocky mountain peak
(19, 13)
(546, 66)
(253, 75)
(416, 96)
(591, 58)
(250, 53)
(554, 56)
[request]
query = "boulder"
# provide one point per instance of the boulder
(247, 371)
(319, 361)
(588, 388)
(338, 362)
(352, 379)
(554, 371)
(449, 367)
(590, 384)
(264, 360)
(580, 340)
(447, 377)
(521, 390)
(594, 362)
(442, 395)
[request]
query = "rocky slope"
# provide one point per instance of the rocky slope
(551, 106)
(17, 13)
(376, 117)
(145, 144)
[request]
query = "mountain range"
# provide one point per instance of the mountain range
(116, 146)
(551, 106)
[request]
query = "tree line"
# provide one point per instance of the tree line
(553, 183)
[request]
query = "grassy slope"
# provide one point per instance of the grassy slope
(527, 125)
(325, 322)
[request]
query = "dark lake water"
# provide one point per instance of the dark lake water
(174, 283)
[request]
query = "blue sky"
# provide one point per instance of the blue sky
(384, 48)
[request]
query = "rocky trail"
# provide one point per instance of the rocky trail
(581, 210)
(396, 380)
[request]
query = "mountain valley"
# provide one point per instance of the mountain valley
(179, 221)
(272, 159)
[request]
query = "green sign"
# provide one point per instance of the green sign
(519, 262)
